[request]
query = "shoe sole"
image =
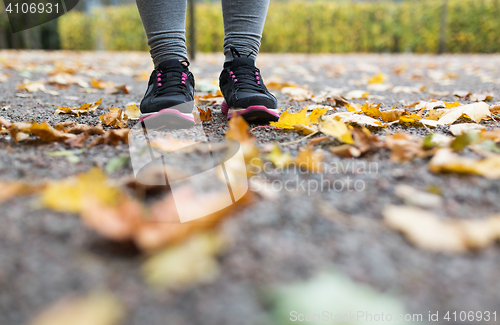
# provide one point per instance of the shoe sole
(256, 113)
(167, 118)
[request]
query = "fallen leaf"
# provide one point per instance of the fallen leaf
(428, 231)
(114, 118)
(424, 229)
(413, 196)
(278, 158)
(14, 189)
(476, 112)
(117, 89)
(101, 84)
(374, 111)
(48, 133)
(71, 194)
(186, 264)
(84, 108)
(112, 137)
(114, 220)
(297, 93)
(64, 80)
(458, 129)
(205, 116)
(377, 79)
(357, 94)
(362, 120)
(346, 150)
(309, 159)
(132, 111)
(98, 308)
(404, 147)
(335, 128)
(334, 292)
(446, 161)
(32, 86)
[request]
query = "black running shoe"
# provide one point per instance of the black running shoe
(169, 99)
(244, 91)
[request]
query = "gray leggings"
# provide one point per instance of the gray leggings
(165, 20)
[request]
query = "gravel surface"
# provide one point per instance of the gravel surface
(46, 255)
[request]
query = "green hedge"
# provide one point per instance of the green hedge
(312, 27)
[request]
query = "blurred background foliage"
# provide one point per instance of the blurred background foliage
(419, 26)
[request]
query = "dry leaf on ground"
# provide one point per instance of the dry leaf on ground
(98, 308)
(186, 264)
(298, 94)
(310, 160)
(10, 190)
(115, 117)
(458, 129)
(112, 137)
(84, 108)
(335, 128)
(445, 160)
(476, 112)
(405, 147)
(428, 231)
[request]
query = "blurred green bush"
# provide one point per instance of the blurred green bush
(312, 27)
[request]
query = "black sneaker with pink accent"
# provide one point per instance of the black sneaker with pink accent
(169, 99)
(244, 91)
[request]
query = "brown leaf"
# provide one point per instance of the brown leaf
(84, 108)
(404, 147)
(114, 118)
(101, 84)
(346, 150)
(12, 189)
(112, 137)
(117, 222)
(117, 89)
(48, 133)
(205, 115)
(78, 141)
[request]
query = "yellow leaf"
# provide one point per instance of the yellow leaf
(447, 161)
(336, 129)
(186, 264)
(278, 158)
(451, 105)
(377, 79)
(115, 118)
(84, 108)
(69, 195)
(316, 114)
(310, 160)
(100, 84)
(98, 308)
(238, 130)
(287, 119)
(374, 111)
(133, 112)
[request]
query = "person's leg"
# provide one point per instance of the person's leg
(240, 80)
(165, 25)
(169, 98)
(243, 25)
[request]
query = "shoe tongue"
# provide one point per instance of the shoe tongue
(169, 64)
(237, 62)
